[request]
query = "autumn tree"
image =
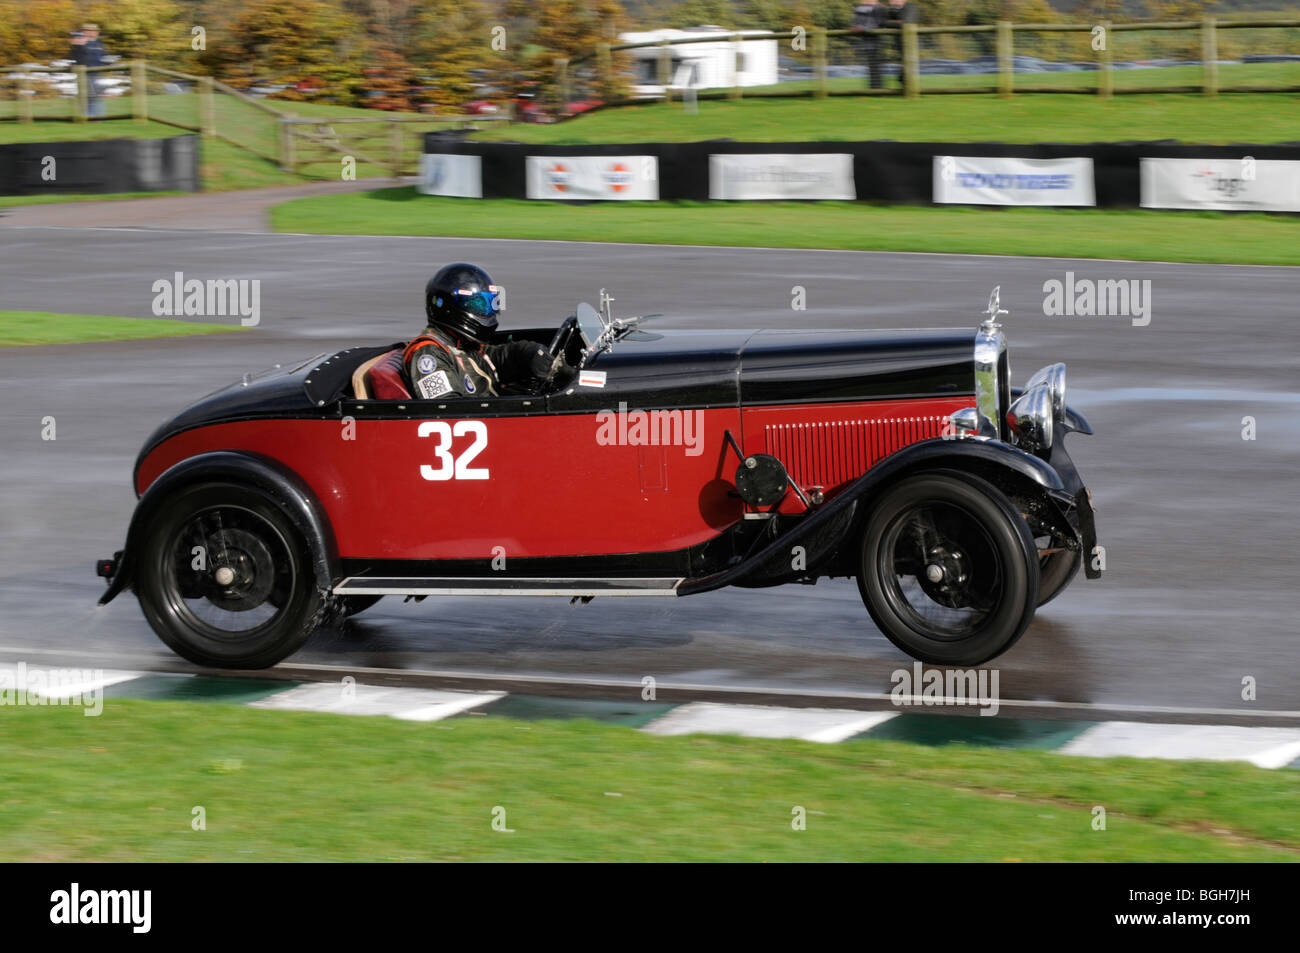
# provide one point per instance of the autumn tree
(140, 29)
(312, 43)
(565, 28)
(35, 31)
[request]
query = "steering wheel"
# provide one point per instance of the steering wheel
(562, 335)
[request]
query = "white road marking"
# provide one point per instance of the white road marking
(63, 687)
(827, 725)
(1263, 747)
(412, 704)
(622, 687)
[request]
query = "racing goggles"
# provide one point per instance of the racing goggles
(481, 304)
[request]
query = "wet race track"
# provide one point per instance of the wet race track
(1200, 526)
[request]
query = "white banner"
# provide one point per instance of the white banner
(986, 180)
(757, 176)
(1268, 185)
(455, 175)
(625, 178)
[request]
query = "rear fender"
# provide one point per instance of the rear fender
(284, 488)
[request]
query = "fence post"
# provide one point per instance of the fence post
(666, 69)
(1209, 57)
(139, 92)
(24, 100)
(911, 62)
(83, 94)
(1006, 65)
(395, 142)
(288, 161)
(562, 84)
(819, 61)
(735, 92)
(1106, 77)
(207, 108)
(604, 71)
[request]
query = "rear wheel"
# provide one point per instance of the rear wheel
(226, 580)
(948, 571)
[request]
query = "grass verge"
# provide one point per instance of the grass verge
(1038, 117)
(22, 328)
(1142, 235)
(303, 786)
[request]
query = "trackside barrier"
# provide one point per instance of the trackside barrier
(882, 171)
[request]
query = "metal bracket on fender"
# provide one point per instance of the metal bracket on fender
(1088, 531)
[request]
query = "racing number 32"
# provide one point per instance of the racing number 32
(451, 467)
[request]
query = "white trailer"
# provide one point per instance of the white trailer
(707, 65)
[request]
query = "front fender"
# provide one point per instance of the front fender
(284, 487)
(1012, 470)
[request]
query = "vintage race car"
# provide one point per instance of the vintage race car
(674, 463)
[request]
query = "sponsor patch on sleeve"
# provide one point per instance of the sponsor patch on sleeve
(424, 363)
(434, 385)
(591, 379)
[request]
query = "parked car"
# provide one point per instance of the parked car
(674, 463)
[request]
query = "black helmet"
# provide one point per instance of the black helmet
(462, 299)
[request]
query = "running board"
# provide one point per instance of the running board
(516, 586)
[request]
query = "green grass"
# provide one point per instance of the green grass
(1244, 117)
(1139, 234)
(312, 787)
(226, 166)
(1230, 75)
(22, 328)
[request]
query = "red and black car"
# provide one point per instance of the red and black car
(674, 463)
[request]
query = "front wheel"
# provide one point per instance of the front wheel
(225, 579)
(948, 571)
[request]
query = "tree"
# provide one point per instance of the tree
(449, 40)
(141, 29)
(311, 44)
(564, 28)
(35, 30)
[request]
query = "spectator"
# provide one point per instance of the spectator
(870, 16)
(88, 51)
(900, 12)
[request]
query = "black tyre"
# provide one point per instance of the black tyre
(349, 606)
(1055, 573)
(226, 580)
(949, 571)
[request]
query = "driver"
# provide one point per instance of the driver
(454, 356)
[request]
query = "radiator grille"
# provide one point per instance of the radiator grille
(829, 453)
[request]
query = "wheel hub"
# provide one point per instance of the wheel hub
(947, 573)
(243, 572)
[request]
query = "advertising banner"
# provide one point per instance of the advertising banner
(987, 180)
(454, 175)
(758, 176)
(1246, 184)
(621, 178)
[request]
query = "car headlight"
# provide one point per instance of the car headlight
(1031, 419)
(1053, 377)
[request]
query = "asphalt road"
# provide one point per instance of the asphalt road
(1200, 526)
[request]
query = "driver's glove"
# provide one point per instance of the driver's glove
(563, 374)
(539, 362)
(520, 361)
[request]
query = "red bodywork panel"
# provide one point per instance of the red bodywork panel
(554, 485)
